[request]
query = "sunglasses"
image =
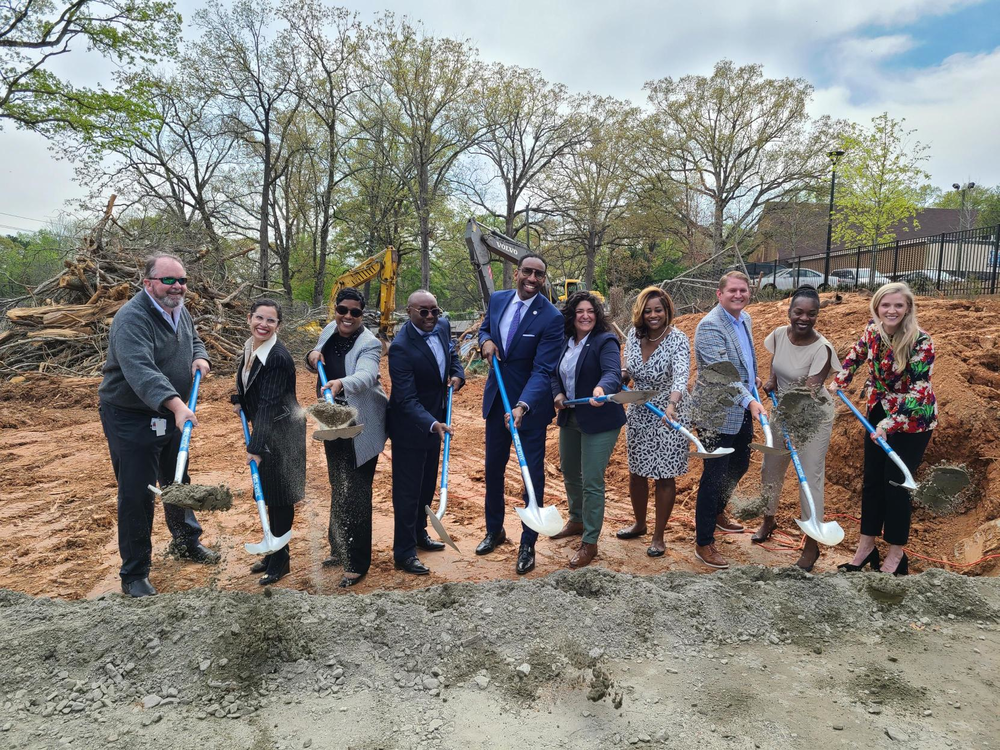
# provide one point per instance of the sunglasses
(170, 280)
(434, 312)
(532, 272)
(354, 312)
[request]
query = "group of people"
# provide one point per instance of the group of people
(548, 358)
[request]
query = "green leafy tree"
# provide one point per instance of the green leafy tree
(879, 182)
(982, 205)
(732, 142)
(35, 33)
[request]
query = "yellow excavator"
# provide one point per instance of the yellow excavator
(384, 266)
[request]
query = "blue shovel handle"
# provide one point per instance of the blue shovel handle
(506, 407)
(322, 379)
(447, 441)
(258, 490)
(582, 401)
(657, 411)
(182, 452)
(868, 425)
(799, 473)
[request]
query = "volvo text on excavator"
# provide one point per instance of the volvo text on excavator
(483, 241)
(384, 266)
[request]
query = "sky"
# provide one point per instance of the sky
(935, 63)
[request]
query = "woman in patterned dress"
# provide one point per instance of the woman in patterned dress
(657, 357)
(903, 410)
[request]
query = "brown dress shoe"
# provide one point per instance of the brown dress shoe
(711, 557)
(727, 525)
(584, 556)
(572, 528)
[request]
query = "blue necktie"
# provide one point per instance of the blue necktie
(514, 323)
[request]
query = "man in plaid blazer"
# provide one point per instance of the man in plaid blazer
(725, 334)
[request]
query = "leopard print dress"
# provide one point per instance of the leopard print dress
(655, 450)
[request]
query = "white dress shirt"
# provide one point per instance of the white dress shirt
(260, 353)
(567, 366)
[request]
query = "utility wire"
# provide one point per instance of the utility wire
(28, 218)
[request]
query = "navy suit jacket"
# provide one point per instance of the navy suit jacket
(418, 395)
(599, 364)
(534, 353)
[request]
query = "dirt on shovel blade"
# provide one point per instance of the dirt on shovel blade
(333, 416)
(198, 496)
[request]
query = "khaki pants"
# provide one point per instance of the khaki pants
(812, 456)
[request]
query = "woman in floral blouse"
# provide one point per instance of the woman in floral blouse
(902, 408)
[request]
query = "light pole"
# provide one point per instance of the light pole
(962, 189)
(834, 157)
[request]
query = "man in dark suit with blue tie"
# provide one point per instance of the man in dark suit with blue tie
(422, 364)
(525, 332)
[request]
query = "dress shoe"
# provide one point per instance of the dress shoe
(261, 565)
(584, 556)
(429, 545)
(727, 525)
(572, 528)
(711, 557)
(767, 527)
(194, 551)
(347, 581)
(491, 541)
(412, 565)
(525, 559)
(631, 532)
(138, 587)
(273, 576)
(872, 560)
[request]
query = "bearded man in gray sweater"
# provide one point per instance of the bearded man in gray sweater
(153, 353)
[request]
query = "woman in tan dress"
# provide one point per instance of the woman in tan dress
(801, 363)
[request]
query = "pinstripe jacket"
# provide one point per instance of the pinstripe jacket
(363, 390)
(715, 341)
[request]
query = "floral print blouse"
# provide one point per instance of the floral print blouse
(906, 396)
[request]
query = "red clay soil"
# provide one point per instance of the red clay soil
(58, 491)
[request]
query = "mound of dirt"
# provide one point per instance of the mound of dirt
(773, 658)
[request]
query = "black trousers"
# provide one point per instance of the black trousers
(350, 529)
(140, 457)
(886, 509)
(498, 442)
(414, 478)
(719, 477)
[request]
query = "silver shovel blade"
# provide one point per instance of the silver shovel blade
(717, 453)
(339, 433)
(829, 533)
(545, 520)
(268, 545)
(770, 449)
(633, 397)
(442, 532)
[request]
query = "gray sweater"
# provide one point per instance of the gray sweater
(148, 363)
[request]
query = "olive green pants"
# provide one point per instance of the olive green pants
(584, 458)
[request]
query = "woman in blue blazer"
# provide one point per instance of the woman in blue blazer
(590, 366)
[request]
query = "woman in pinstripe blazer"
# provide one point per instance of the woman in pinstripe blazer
(265, 388)
(351, 357)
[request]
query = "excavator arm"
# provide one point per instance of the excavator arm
(482, 242)
(386, 267)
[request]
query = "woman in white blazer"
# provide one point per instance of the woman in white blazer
(351, 355)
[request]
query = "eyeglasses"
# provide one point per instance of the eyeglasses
(170, 280)
(532, 272)
(433, 312)
(354, 312)
(261, 319)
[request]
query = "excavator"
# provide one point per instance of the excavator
(385, 266)
(483, 241)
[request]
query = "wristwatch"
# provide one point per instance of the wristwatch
(524, 406)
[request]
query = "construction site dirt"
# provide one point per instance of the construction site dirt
(761, 656)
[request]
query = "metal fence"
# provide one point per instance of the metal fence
(954, 264)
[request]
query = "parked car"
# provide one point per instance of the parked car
(925, 278)
(848, 277)
(791, 278)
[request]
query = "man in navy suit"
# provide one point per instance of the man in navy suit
(422, 364)
(525, 332)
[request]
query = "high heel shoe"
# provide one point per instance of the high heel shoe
(873, 560)
(903, 568)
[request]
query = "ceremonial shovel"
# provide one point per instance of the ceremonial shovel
(908, 481)
(545, 520)
(829, 533)
(333, 433)
(768, 446)
(700, 450)
(269, 543)
(435, 518)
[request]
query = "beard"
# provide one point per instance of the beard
(170, 301)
